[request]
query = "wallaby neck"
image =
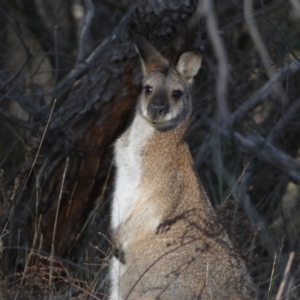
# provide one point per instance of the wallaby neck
(141, 129)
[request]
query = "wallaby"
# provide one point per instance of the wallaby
(169, 244)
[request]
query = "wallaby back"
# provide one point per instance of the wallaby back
(169, 241)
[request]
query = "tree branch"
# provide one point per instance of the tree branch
(85, 28)
(291, 113)
(27, 105)
(222, 79)
(262, 149)
(100, 50)
(17, 121)
(26, 48)
(259, 96)
(265, 57)
(296, 8)
(256, 146)
(10, 80)
(256, 15)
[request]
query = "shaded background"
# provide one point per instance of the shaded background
(69, 80)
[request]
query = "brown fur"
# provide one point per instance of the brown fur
(174, 246)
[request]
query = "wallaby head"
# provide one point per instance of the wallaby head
(165, 101)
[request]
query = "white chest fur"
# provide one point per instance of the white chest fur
(128, 150)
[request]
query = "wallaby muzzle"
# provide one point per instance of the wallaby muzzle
(158, 106)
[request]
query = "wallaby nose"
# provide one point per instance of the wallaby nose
(158, 105)
(157, 110)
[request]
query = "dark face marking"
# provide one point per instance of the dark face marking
(158, 105)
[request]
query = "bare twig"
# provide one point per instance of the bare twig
(39, 148)
(10, 80)
(29, 257)
(296, 8)
(260, 95)
(55, 222)
(256, 99)
(18, 136)
(100, 50)
(58, 9)
(234, 183)
(261, 148)
(29, 106)
(33, 164)
(265, 57)
(85, 28)
(291, 113)
(81, 67)
(256, 220)
(285, 276)
(17, 121)
(222, 80)
(8, 153)
(256, 15)
(16, 31)
(272, 275)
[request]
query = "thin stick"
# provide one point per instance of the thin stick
(291, 113)
(29, 257)
(236, 183)
(296, 8)
(272, 275)
(260, 95)
(55, 222)
(39, 148)
(16, 120)
(71, 198)
(285, 276)
(56, 27)
(259, 44)
(85, 28)
(219, 49)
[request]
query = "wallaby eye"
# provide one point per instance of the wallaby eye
(177, 94)
(148, 89)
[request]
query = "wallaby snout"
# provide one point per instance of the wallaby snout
(158, 106)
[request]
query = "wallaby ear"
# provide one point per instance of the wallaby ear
(151, 59)
(189, 63)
